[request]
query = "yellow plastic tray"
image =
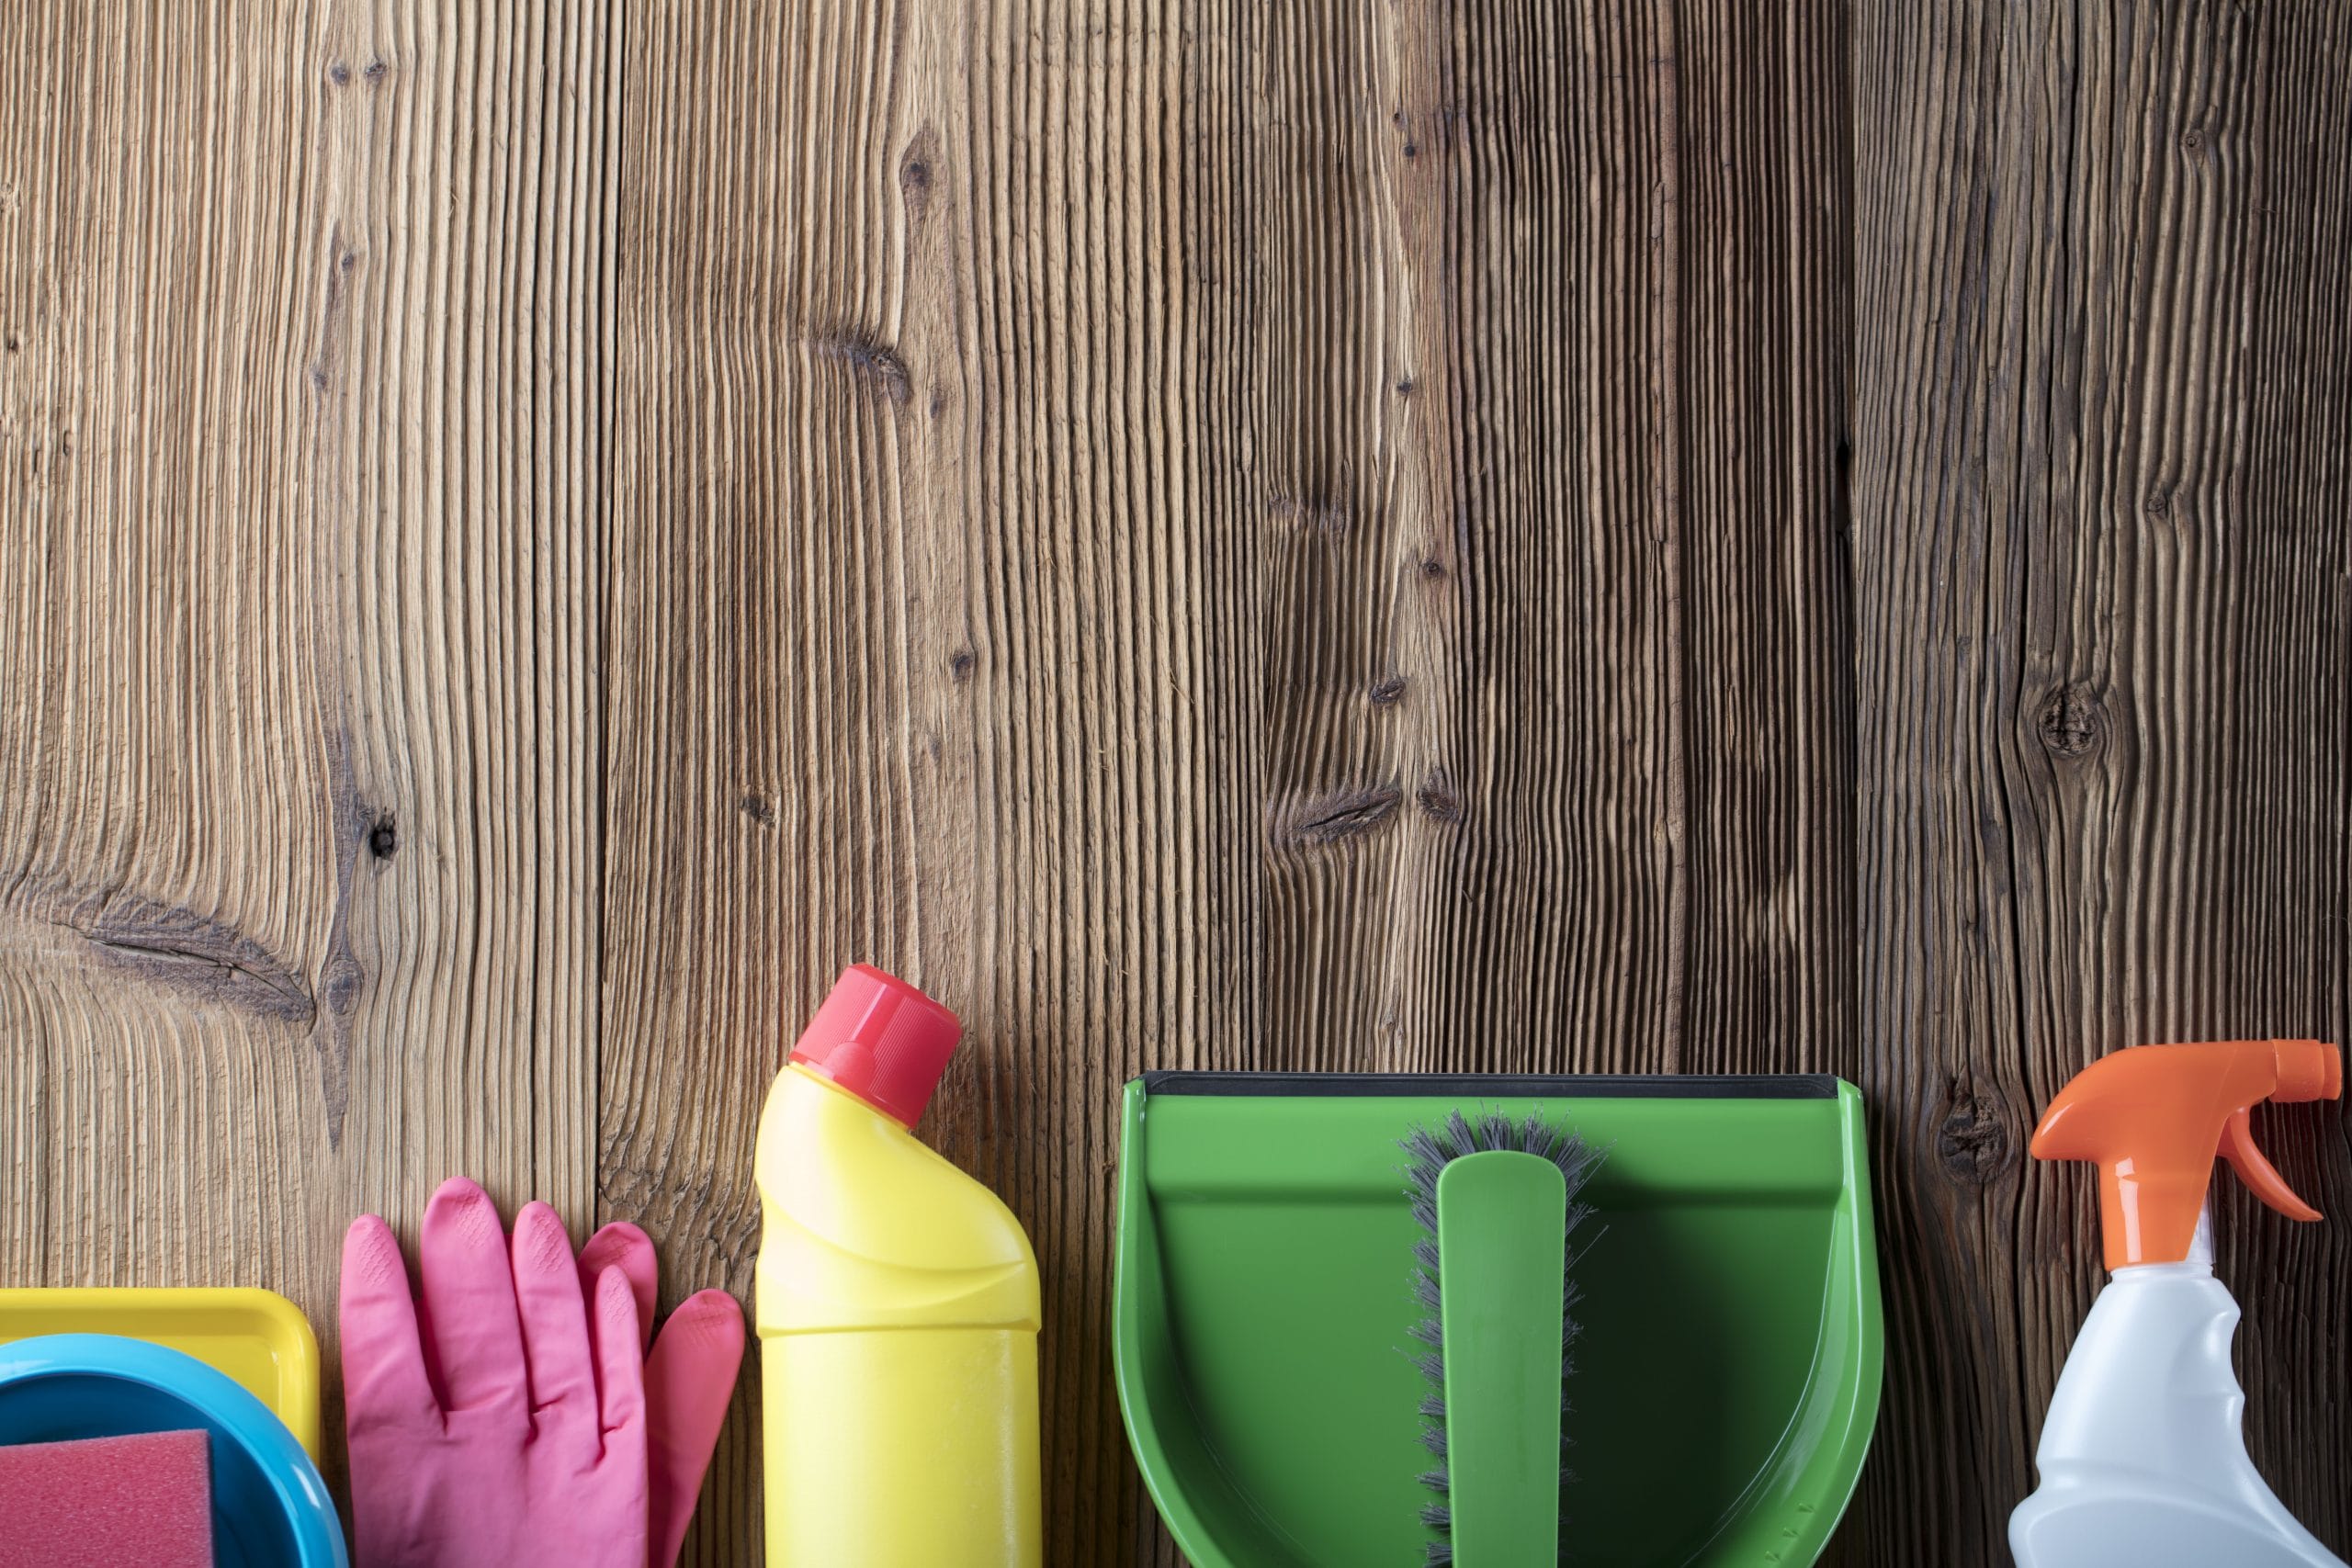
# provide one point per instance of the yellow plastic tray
(258, 1337)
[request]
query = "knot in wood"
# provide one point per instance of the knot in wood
(2069, 722)
(872, 361)
(1439, 800)
(340, 983)
(1972, 1141)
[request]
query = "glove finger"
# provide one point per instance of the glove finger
(624, 1246)
(470, 1302)
(383, 1359)
(688, 1381)
(620, 1366)
(554, 1320)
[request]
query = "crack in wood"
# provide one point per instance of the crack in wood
(177, 947)
(1323, 819)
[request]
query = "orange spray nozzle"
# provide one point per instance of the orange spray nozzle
(2153, 1117)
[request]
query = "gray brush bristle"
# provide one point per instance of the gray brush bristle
(1429, 1151)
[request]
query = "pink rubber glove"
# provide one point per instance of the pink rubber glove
(689, 1377)
(515, 1421)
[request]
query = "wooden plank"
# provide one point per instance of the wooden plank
(1555, 712)
(1188, 533)
(2104, 642)
(300, 464)
(906, 659)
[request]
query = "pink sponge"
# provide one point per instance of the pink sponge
(142, 1502)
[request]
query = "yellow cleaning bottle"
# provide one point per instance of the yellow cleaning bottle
(897, 1310)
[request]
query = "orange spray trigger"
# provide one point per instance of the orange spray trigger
(2153, 1117)
(2256, 1171)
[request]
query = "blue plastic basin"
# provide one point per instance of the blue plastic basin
(270, 1509)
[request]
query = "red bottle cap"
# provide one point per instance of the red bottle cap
(880, 1039)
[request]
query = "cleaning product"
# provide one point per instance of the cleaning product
(2142, 1460)
(898, 1311)
(107, 1502)
(1493, 1200)
(1262, 1309)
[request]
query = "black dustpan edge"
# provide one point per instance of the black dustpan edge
(1502, 1085)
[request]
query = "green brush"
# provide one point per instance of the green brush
(1495, 1200)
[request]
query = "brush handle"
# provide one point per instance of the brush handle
(1502, 1240)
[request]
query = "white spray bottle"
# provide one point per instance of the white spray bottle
(2143, 1463)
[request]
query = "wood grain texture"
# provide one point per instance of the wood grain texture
(904, 659)
(1312, 535)
(1545, 361)
(1280, 536)
(300, 452)
(2101, 416)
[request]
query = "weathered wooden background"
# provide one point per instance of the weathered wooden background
(1331, 533)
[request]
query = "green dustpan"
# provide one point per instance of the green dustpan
(1727, 1376)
